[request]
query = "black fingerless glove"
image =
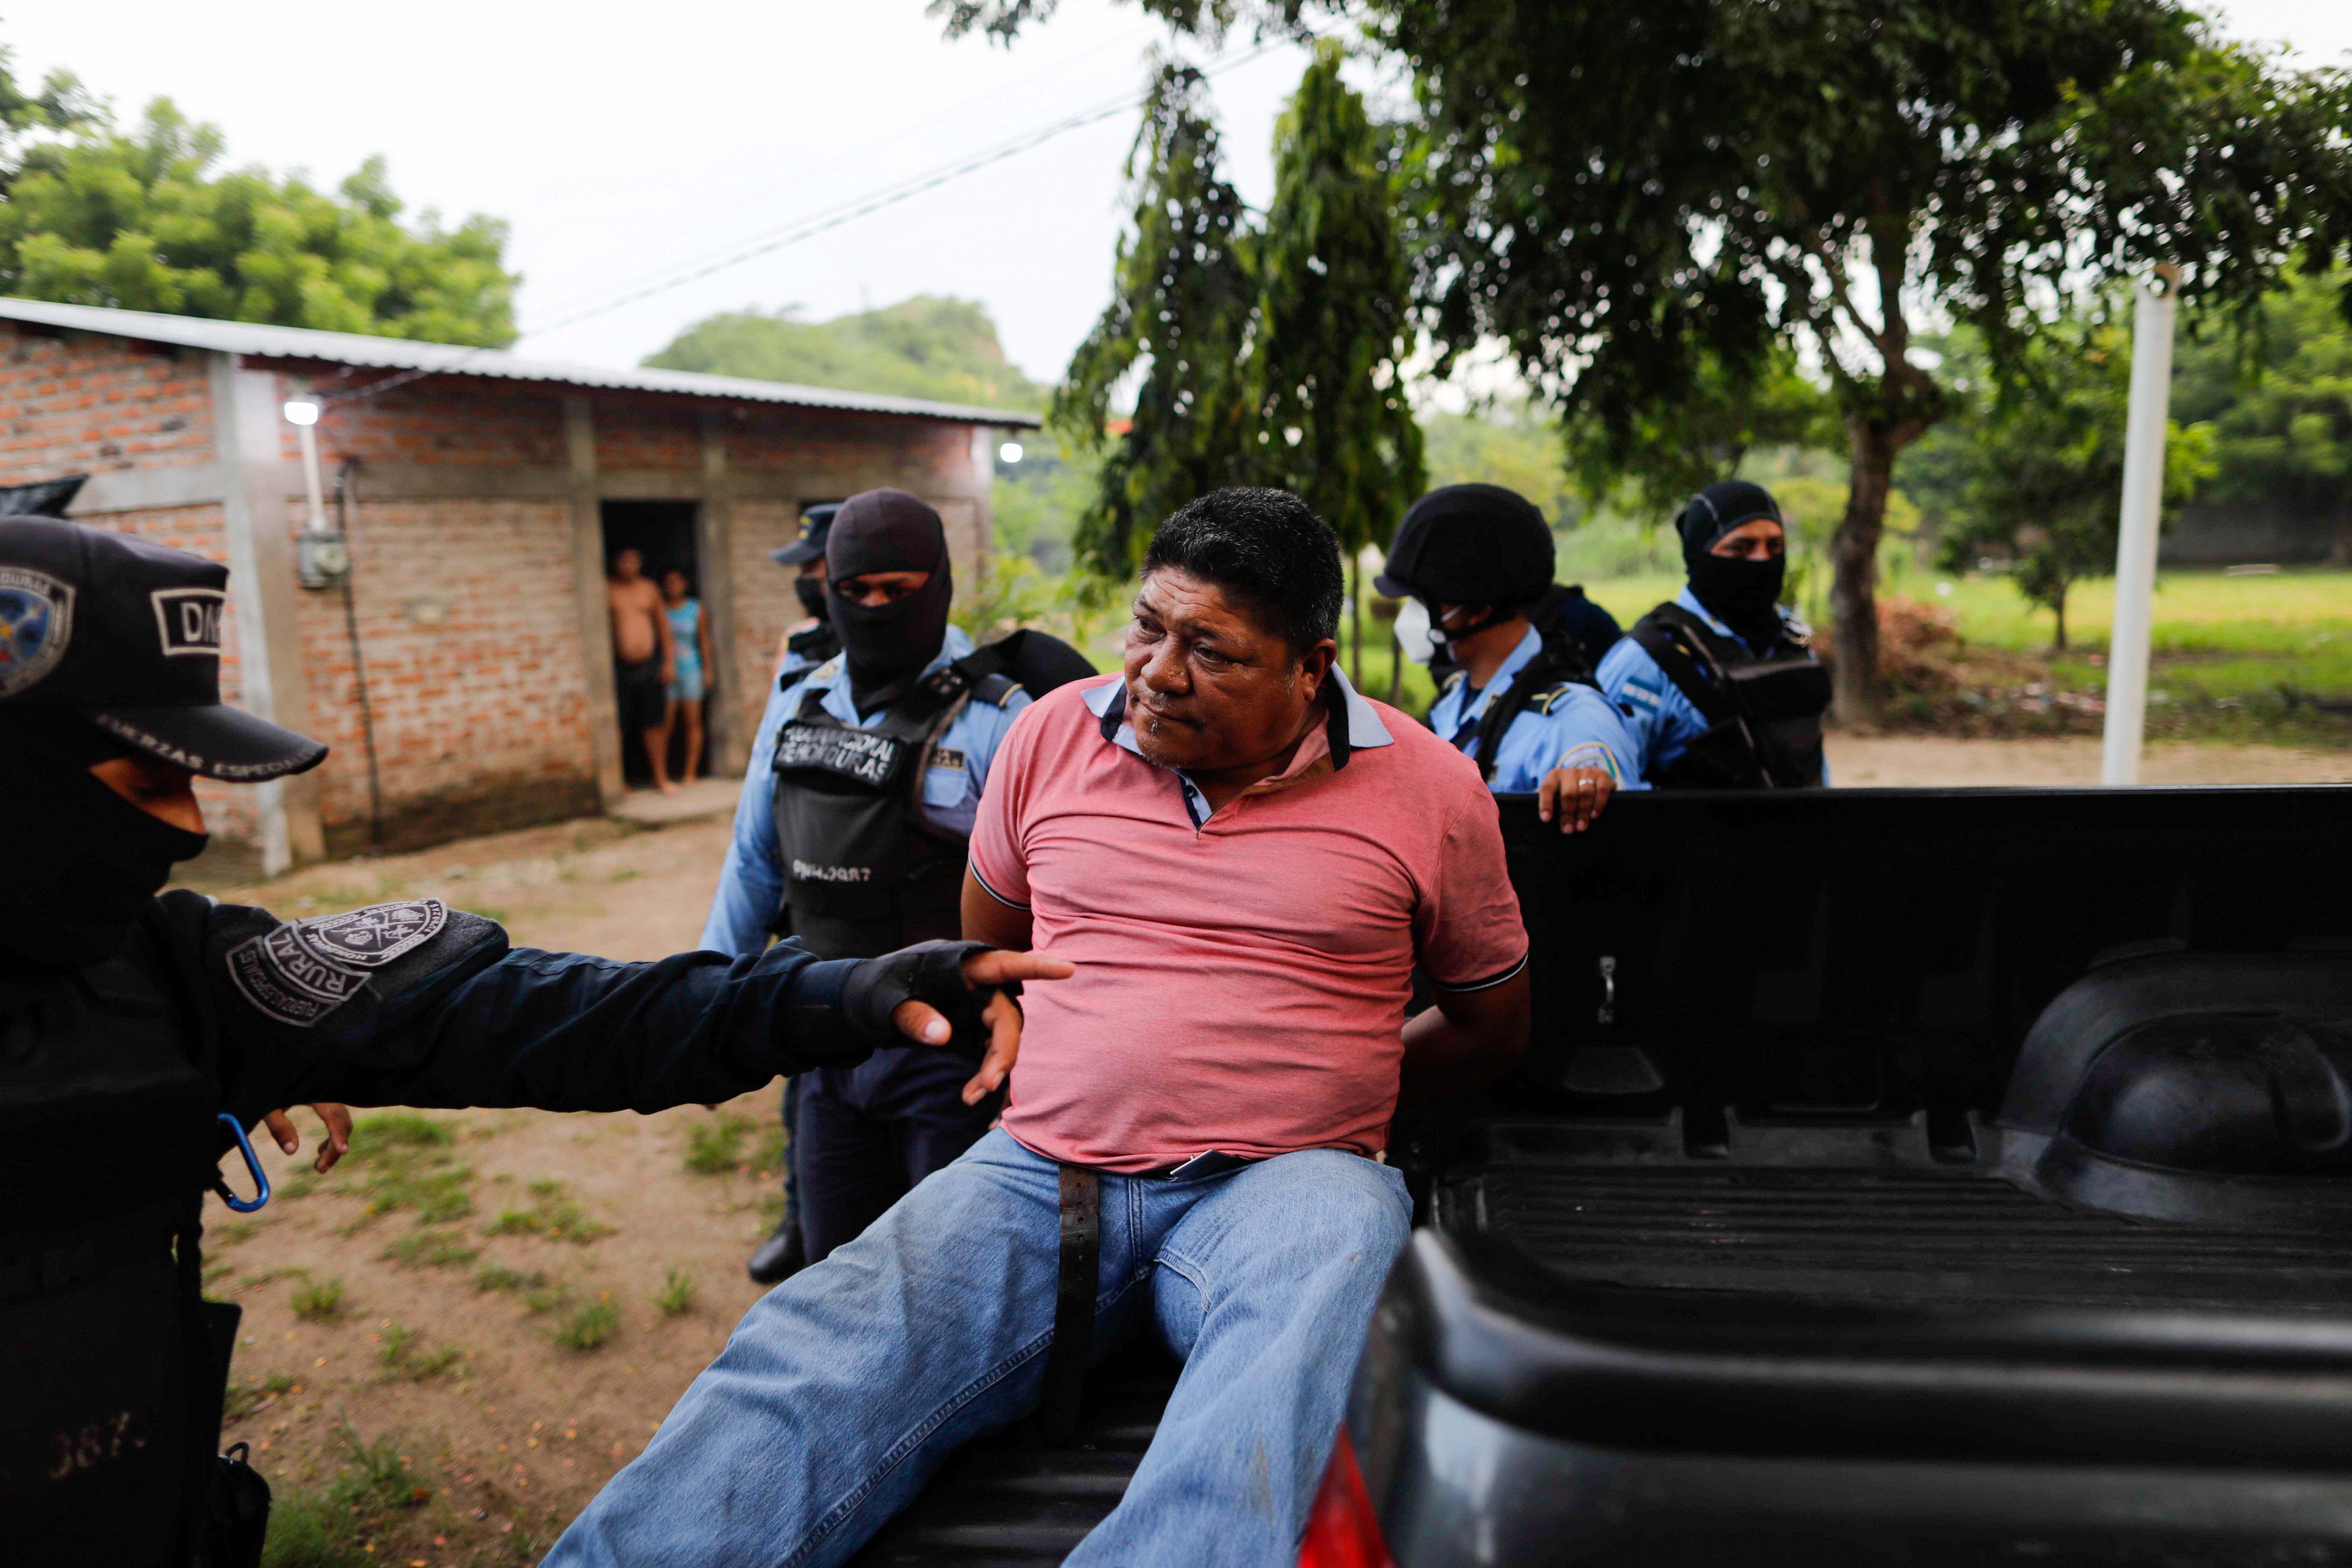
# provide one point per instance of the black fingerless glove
(930, 972)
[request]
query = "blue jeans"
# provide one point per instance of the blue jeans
(843, 1389)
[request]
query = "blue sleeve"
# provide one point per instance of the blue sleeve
(751, 881)
(1583, 729)
(951, 799)
(994, 724)
(1661, 719)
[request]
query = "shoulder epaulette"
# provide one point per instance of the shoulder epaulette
(828, 670)
(996, 688)
(1543, 701)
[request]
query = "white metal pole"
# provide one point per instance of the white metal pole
(311, 482)
(2151, 392)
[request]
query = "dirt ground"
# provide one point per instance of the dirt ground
(517, 1431)
(514, 1433)
(1882, 761)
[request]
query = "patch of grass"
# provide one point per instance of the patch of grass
(430, 1250)
(334, 1527)
(234, 1231)
(768, 1157)
(400, 1160)
(405, 1357)
(772, 1209)
(716, 1147)
(626, 874)
(214, 1272)
(490, 1277)
(588, 1327)
(676, 1294)
(318, 1299)
(544, 1297)
(552, 1215)
(271, 1277)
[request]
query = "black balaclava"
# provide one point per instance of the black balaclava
(887, 645)
(82, 862)
(810, 589)
(1742, 594)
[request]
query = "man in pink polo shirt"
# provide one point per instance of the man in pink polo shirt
(1245, 859)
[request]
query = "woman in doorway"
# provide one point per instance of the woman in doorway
(691, 633)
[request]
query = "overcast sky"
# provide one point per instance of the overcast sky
(627, 145)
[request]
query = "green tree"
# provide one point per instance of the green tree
(2033, 474)
(1625, 195)
(2282, 415)
(942, 349)
(1183, 306)
(1663, 454)
(1334, 423)
(1514, 445)
(140, 220)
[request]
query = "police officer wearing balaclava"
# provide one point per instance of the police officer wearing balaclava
(140, 1037)
(1471, 562)
(1721, 685)
(850, 835)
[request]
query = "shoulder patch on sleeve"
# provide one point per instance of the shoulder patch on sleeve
(300, 972)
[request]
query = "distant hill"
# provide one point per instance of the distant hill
(944, 350)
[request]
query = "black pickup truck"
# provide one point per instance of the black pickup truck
(1895, 1176)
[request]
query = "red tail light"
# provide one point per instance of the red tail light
(1343, 1532)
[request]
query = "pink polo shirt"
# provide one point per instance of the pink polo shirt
(1240, 984)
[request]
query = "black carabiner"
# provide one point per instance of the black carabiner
(252, 1163)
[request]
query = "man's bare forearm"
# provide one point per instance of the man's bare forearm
(1468, 1038)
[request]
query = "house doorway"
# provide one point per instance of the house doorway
(662, 532)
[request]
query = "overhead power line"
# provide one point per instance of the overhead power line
(809, 228)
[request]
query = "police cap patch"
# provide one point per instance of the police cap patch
(36, 625)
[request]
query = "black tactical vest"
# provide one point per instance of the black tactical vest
(865, 872)
(1763, 711)
(111, 1366)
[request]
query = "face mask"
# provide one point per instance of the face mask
(810, 589)
(1742, 594)
(77, 885)
(1414, 634)
(888, 644)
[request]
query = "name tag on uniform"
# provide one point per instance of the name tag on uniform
(950, 759)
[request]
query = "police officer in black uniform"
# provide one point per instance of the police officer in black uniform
(1720, 684)
(142, 1036)
(812, 642)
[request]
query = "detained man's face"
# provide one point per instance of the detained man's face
(1208, 687)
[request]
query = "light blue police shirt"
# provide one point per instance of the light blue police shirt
(751, 883)
(1663, 720)
(1579, 729)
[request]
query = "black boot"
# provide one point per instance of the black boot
(779, 1257)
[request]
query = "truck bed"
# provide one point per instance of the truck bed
(1879, 1236)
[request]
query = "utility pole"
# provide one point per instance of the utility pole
(2127, 647)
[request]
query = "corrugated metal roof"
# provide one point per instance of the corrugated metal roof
(453, 359)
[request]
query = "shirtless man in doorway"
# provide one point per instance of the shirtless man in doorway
(644, 659)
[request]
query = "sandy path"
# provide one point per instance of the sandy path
(1920, 761)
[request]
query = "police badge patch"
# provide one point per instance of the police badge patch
(298, 973)
(374, 936)
(36, 625)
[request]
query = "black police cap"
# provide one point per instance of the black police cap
(1469, 545)
(816, 522)
(127, 634)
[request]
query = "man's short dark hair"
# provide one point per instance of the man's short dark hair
(1264, 546)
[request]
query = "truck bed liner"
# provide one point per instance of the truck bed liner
(1878, 1236)
(1014, 1501)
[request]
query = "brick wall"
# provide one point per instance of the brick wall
(454, 419)
(474, 674)
(73, 403)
